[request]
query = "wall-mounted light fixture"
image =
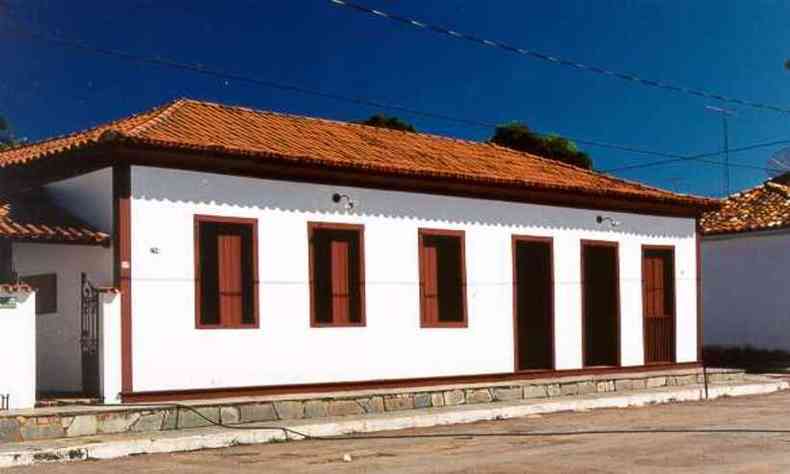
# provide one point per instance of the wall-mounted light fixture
(611, 220)
(338, 198)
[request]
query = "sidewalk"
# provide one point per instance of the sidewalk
(120, 445)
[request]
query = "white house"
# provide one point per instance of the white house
(254, 250)
(746, 249)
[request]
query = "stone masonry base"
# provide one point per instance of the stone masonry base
(75, 421)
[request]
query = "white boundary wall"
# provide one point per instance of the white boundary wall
(746, 288)
(110, 346)
(169, 353)
(18, 350)
(59, 351)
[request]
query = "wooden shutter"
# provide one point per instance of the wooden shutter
(339, 251)
(654, 291)
(430, 283)
(658, 300)
(231, 290)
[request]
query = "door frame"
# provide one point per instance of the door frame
(601, 243)
(515, 239)
(671, 249)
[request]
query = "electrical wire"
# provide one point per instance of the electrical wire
(701, 158)
(204, 70)
(559, 60)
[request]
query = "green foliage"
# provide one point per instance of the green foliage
(6, 140)
(394, 123)
(519, 137)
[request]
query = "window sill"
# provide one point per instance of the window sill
(247, 326)
(329, 325)
(463, 325)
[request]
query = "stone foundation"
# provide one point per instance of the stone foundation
(67, 422)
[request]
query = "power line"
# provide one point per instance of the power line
(203, 70)
(701, 158)
(746, 148)
(559, 60)
(200, 69)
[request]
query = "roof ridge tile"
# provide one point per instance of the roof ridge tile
(157, 115)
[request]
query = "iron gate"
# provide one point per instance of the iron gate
(89, 338)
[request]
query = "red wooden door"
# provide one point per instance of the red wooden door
(658, 296)
(229, 249)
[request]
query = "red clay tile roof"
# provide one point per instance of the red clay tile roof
(15, 288)
(192, 125)
(766, 207)
(34, 218)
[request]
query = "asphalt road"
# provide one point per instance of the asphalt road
(684, 452)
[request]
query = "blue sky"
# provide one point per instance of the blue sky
(735, 48)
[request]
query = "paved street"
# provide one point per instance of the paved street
(687, 452)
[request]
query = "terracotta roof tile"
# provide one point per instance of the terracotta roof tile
(15, 288)
(765, 207)
(192, 125)
(33, 217)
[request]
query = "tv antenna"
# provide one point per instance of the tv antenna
(779, 163)
(725, 113)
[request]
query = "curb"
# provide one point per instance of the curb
(213, 438)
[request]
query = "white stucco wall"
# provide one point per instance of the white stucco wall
(18, 350)
(88, 196)
(746, 283)
(59, 354)
(169, 353)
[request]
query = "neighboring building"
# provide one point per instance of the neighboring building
(746, 268)
(256, 250)
(48, 247)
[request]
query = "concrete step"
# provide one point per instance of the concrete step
(127, 444)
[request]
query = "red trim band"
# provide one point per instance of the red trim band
(230, 392)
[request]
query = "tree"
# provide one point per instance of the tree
(519, 137)
(6, 138)
(384, 121)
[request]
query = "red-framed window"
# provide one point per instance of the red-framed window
(337, 274)
(226, 272)
(442, 278)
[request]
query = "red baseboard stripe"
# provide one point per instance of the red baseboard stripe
(232, 392)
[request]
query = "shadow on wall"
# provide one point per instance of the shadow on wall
(251, 193)
(751, 358)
